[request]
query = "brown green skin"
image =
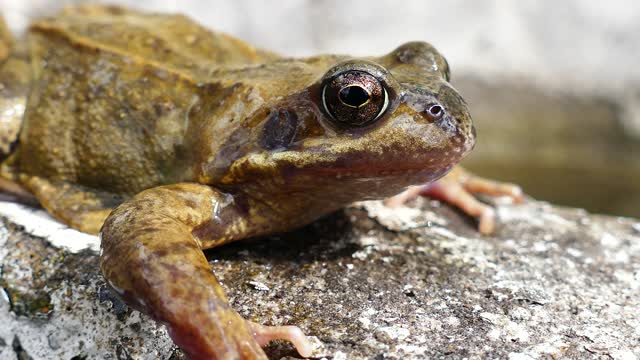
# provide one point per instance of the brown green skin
(198, 139)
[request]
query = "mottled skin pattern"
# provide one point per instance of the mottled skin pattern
(197, 139)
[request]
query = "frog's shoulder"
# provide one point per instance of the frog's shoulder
(168, 41)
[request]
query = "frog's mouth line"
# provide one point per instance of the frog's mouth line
(420, 174)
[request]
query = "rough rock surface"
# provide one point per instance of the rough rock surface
(369, 283)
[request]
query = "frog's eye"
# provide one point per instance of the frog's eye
(354, 98)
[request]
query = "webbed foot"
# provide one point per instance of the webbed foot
(457, 188)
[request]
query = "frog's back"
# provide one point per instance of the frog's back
(112, 95)
(169, 40)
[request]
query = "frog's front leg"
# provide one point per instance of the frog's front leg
(152, 256)
(457, 188)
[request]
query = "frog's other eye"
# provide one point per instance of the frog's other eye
(354, 98)
(446, 70)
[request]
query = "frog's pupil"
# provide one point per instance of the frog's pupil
(354, 95)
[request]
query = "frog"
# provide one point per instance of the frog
(168, 139)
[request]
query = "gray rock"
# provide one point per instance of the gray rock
(369, 282)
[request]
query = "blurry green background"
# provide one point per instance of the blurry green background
(554, 87)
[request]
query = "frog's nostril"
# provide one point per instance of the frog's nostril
(435, 111)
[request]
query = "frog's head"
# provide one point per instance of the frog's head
(362, 128)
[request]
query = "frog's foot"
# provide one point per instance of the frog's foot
(242, 339)
(457, 189)
(264, 334)
(217, 334)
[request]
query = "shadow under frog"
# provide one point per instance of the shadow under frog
(207, 140)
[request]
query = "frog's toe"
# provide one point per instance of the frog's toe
(458, 195)
(411, 193)
(476, 184)
(263, 334)
(457, 188)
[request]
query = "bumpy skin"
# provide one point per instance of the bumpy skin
(202, 139)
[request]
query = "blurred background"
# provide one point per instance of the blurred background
(554, 86)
